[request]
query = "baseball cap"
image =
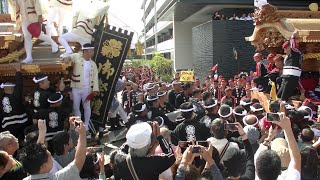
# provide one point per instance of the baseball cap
(139, 135)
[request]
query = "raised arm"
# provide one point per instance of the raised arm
(294, 42)
(42, 131)
(294, 151)
(80, 156)
(19, 85)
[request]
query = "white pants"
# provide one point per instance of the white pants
(121, 112)
(52, 13)
(28, 39)
(71, 37)
(78, 95)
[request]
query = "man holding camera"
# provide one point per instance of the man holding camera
(139, 161)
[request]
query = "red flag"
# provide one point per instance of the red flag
(214, 68)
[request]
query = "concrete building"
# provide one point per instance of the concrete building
(168, 24)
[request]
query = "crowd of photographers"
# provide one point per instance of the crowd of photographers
(178, 131)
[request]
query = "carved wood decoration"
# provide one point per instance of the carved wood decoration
(267, 14)
(274, 27)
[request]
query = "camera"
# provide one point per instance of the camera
(273, 117)
(230, 127)
(196, 149)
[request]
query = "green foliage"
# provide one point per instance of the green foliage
(140, 62)
(162, 67)
(159, 64)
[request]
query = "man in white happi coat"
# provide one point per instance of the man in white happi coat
(84, 81)
(30, 12)
(58, 8)
(83, 23)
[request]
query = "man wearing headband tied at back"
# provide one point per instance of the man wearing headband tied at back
(84, 81)
(43, 91)
(14, 117)
(191, 129)
(291, 69)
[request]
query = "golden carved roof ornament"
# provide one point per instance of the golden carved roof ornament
(274, 26)
(267, 14)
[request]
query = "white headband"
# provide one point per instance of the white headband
(162, 121)
(244, 113)
(307, 117)
(38, 80)
(84, 48)
(304, 108)
(242, 103)
(288, 106)
(253, 109)
(52, 102)
(176, 82)
(3, 85)
(188, 110)
(152, 99)
(160, 95)
(245, 123)
(144, 106)
(212, 105)
(219, 112)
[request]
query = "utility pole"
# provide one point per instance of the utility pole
(155, 20)
(144, 32)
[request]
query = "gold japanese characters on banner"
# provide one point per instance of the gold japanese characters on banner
(106, 69)
(111, 48)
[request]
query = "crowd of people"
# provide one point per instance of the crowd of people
(195, 130)
(234, 17)
(178, 130)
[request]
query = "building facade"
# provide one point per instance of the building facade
(170, 26)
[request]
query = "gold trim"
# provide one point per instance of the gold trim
(31, 68)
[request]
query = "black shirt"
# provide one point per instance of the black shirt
(192, 130)
(13, 111)
(172, 97)
(16, 173)
(147, 168)
(180, 99)
(155, 112)
(55, 118)
(167, 108)
(133, 119)
(40, 98)
(238, 93)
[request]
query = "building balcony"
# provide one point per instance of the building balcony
(160, 6)
(162, 26)
(165, 46)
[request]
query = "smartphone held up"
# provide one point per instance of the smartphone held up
(272, 117)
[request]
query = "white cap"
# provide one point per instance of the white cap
(139, 135)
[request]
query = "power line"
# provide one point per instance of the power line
(123, 22)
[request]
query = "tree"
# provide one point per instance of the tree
(162, 67)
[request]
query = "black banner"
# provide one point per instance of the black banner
(111, 48)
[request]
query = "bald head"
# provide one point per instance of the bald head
(250, 120)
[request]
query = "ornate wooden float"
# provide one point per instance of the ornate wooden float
(274, 27)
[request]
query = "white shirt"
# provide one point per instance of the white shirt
(86, 74)
(219, 144)
(289, 174)
(55, 166)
